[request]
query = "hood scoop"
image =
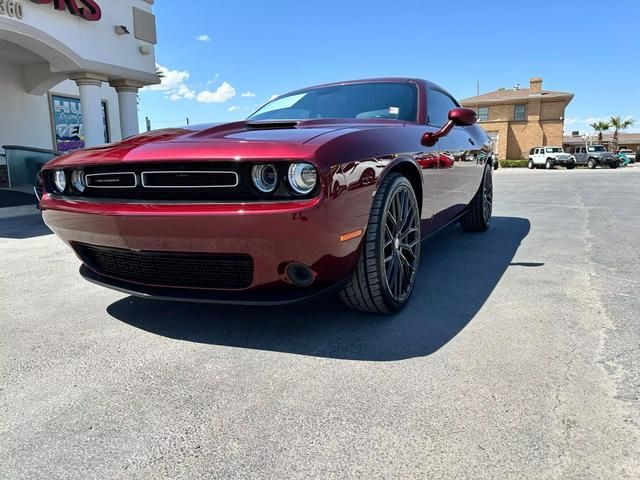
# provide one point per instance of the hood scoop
(271, 124)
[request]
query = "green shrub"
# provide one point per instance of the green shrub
(514, 163)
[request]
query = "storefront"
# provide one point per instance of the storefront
(70, 70)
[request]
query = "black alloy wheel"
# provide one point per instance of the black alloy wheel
(478, 216)
(385, 275)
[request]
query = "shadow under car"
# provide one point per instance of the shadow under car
(458, 273)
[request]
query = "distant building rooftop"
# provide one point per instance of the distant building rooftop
(510, 95)
(623, 138)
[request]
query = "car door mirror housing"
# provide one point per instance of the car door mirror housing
(463, 117)
(458, 117)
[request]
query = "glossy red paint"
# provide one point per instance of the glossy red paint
(351, 156)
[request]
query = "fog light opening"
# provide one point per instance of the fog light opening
(300, 275)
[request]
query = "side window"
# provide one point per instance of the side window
(483, 114)
(438, 107)
(520, 113)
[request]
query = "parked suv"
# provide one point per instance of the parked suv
(549, 157)
(595, 155)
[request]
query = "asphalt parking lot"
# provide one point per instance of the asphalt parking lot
(517, 358)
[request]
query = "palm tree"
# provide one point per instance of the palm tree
(600, 127)
(618, 124)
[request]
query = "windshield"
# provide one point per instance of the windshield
(396, 101)
(596, 148)
(554, 150)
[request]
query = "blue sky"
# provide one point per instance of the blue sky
(223, 59)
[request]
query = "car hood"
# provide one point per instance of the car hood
(231, 141)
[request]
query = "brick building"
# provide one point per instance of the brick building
(518, 119)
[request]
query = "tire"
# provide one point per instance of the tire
(571, 166)
(549, 164)
(478, 217)
(591, 163)
(385, 275)
(613, 165)
(531, 165)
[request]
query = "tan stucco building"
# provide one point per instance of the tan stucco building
(519, 119)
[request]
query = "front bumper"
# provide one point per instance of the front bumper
(564, 162)
(274, 235)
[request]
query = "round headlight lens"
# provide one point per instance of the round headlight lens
(60, 180)
(265, 177)
(303, 177)
(77, 180)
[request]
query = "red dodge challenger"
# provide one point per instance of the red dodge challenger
(332, 186)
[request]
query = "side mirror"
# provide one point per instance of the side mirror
(463, 117)
(458, 117)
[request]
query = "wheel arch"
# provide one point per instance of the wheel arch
(411, 171)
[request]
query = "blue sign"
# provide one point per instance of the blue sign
(67, 123)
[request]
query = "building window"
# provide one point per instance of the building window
(483, 114)
(520, 113)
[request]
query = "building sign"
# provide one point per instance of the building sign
(66, 114)
(11, 8)
(87, 9)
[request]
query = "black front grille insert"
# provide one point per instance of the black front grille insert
(112, 180)
(170, 269)
(189, 179)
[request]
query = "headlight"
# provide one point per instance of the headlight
(60, 180)
(265, 177)
(77, 180)
(303, 177)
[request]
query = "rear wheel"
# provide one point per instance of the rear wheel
(478, 217)
(386, 271)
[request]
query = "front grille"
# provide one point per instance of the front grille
(171, 269)
(190, 179)
(218, 181)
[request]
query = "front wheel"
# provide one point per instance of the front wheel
(531, 165)
(571, 166)
(386, 271)
(549, 164)
(614, 165)
(478, 217)
(591, 163)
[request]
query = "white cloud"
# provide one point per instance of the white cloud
(248, 94)
(203, 38)
(173, 84)
(223, 93)
(233, 108)
(584, 121)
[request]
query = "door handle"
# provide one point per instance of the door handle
(471, 141)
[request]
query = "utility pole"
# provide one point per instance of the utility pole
(478, 87)
(187, 121)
